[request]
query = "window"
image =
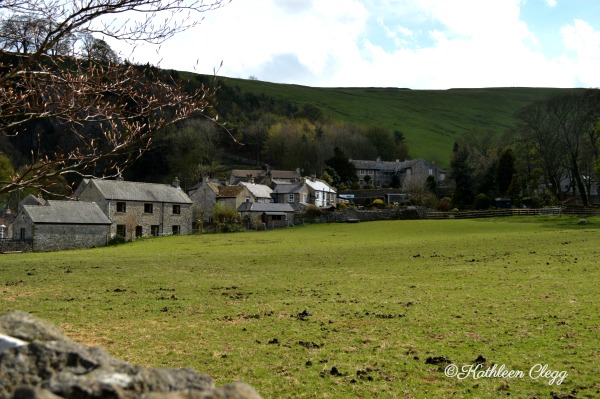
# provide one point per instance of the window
(148, 208)
(121, 207)
(277, 217)
(362, 171)
(139, 231)
(291, 198)
(154, 230)
(176, 209)
(121, 230)
(303, 197)
(247, 199)
(176, 229)
(371, 172)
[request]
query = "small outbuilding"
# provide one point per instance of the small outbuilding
(266, 215)
(59, 225)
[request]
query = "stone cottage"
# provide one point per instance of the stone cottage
(321, 193)
(258, 192)
(139, 209)
(204, 196)
(58, 225)
(295, 194)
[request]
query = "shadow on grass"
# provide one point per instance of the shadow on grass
(552, 221)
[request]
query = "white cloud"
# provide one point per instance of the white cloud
(583, 45)
(469, 43)
(551, 3)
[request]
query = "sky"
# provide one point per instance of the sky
(416, 44)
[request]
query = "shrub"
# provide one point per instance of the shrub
(482, 201)
(377, 204)
(445, 204)
(117, 240)
(429, 201)
(312, 211)
(342, 206)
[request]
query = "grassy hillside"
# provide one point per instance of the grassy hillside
(391, 304)
(431, 120)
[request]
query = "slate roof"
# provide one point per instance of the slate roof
(288, 188)
(32, 200)
(241, 174)
(258, 190)
(285, 174)
(143, 192)
(66, 212)
(383, 165)
(214, 187)
(265, 207)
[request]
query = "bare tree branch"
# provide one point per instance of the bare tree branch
(107, 112)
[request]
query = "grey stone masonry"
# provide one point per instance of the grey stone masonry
(37, 361)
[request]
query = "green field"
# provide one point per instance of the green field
(389, 302)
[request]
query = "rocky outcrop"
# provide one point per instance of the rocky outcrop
(38, 362)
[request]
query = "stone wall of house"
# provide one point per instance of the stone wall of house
(53, 237)
(38, 361)
(162, 215)
(9, 245)
(204, 199)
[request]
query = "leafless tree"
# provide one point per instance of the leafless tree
(110, 111)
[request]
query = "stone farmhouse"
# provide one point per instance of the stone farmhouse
(140, 209)
(58, 225)
(381, 173)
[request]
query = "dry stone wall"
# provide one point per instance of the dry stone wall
(37, 361)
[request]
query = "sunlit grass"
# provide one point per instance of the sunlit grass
(383, 298)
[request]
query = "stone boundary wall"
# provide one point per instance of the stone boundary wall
(37, 361)
(364, 215)
(401, 213)
(9, 245)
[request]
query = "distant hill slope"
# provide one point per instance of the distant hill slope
(431, 120)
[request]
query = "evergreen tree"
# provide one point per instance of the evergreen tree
(462, 174)
(342, 166)
(505, 171)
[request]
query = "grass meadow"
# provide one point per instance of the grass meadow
(375, 309)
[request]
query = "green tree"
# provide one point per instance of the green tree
(343, 167)
(482, 201)
(383, 141)
(6, 169)
(462, 174)
(505, 171)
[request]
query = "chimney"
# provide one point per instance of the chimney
(175, 182)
